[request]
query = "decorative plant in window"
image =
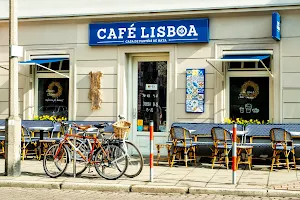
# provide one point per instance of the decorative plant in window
(95, 94)
(245, 122)
(50, 118)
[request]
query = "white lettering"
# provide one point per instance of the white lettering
(171, 31)
(99, 33)
(152, 32)
(112, 34)
(131, 32)
(121, 32)
(181, 31)
(161, 31)
(143, 33)
(192, 31)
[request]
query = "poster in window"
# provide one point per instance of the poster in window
(249, 98)
(53, 96)
(195, 90)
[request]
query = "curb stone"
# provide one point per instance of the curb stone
(96, 186)
(30, 184)
(229, 191)
(159, 189)
(283, 193)
(148, 188)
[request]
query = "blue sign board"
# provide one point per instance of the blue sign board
(149, 32)
(276, 23)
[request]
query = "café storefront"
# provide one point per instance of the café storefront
(192, 69)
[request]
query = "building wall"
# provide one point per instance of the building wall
(231, 29)
(290, 66)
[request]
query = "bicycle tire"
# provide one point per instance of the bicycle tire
(85, 150)
(50, 154)
(131, 172)
(100, 158)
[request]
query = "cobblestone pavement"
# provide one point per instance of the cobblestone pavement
(26, 193)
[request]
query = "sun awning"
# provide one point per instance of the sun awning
(39, 63)
(240, 58)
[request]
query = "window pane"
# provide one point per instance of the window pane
(55, 65)
(65, 65)
(152, 95)
(249, 98)
(53, 96)
(235, 65)
(266, 62)
(249, 64)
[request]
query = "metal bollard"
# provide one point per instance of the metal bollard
(74, 157)
(234, 164)
(151, 151)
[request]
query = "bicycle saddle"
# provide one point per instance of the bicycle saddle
(100, 125)
(84, 128)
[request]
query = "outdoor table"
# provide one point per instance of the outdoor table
(242, 134)
(41, 129)
(295, 134)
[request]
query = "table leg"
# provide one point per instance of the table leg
(41, 146)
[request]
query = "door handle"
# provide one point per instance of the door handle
(134, 113)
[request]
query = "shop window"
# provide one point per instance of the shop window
(53, 96)
(249, 98)
(235, 66)
(152, 95)
(62, 66)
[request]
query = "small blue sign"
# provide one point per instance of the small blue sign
(149, 32)
(276, 23)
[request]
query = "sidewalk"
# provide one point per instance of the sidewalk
(179, 179)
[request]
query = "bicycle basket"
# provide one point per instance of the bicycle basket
(120, 128)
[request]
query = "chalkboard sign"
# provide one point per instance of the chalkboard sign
(249, 98)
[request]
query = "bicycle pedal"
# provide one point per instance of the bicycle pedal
(90, 171)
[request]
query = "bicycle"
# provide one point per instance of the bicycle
(103, 157)
(135, 158)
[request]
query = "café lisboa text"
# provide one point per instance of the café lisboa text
(146, 32)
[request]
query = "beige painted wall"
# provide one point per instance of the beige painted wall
(54, 36)
(290, 66)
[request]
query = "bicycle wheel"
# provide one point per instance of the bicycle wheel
(81, 164)
(135, 160)
(112, 163)
(56, 160)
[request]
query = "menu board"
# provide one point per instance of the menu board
(53, 96)
(249, 98)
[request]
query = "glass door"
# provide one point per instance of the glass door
(149, 99)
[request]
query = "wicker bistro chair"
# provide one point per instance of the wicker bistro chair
(282, 143)
(222, 140)
(29, 143)
(182, 140)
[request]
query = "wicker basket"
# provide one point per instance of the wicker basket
(120, 128)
